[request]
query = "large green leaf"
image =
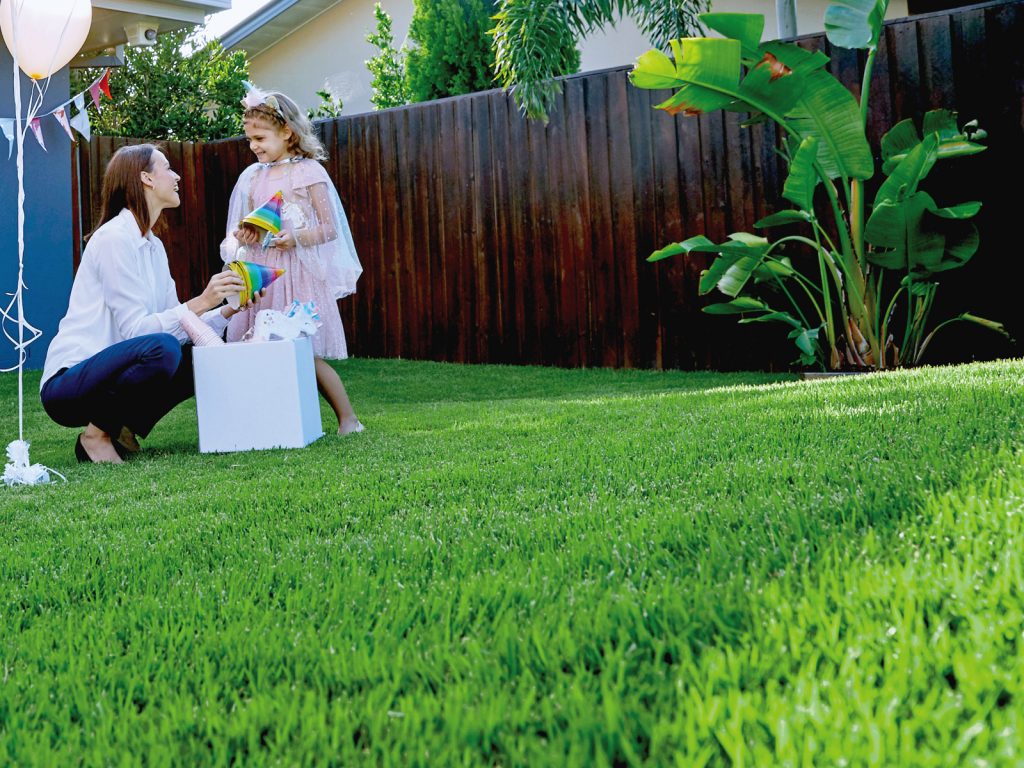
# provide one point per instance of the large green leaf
(783, 217)
(855, 23)
(747, 28)
(899, 140)
(828, 112)
(738, 258)
(942, 122)
(992, 325)
(772, 317)
(903, 138)
(769, 269)
(709, 68)
(737, 306)
(806, 340)
(906, 176)
(916, 235)
(788, 84)
(803, 178)
(675, 249)
(655, 70)
(777, 80)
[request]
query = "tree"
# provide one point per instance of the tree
(182, 89)
(329, 106)
(390, 88)
(452, 52)
(532, 36)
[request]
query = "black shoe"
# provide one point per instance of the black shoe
(126, 443)
(80, 453)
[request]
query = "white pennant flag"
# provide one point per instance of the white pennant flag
(62, 118)
(7, 127)
(80, 122)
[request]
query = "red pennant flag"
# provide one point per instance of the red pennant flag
(37, 130)
(105, 84)
(62, 118)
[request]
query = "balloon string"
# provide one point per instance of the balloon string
(36, 98)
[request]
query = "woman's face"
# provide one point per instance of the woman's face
(162, 182)
(267, 142)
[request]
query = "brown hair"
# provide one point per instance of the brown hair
(303, 141)
(122, 184)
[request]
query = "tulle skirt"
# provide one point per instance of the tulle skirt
(296, 284)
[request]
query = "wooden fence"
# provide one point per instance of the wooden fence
(489, 238)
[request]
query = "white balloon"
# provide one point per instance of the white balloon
(49, 34)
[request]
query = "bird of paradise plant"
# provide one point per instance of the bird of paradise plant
(844, 311)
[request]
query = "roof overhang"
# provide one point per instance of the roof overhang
(272, 22)
(110, 17)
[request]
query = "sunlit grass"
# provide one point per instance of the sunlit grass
(529, 566)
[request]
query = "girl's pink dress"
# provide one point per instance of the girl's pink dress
(323, 266)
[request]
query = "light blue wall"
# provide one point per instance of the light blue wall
(48, 232)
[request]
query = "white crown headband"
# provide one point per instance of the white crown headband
(254, 98)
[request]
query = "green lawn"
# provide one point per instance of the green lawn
(526, 566)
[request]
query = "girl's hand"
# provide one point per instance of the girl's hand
(221, 286)
(247, 234)
(283, 240)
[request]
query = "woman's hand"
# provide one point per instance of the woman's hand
(247, 234)
(227, 310)
(221, 286)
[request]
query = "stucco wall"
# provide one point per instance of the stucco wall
(48, 231)
(331, 49)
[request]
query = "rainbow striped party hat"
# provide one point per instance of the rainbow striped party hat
(255, 276)
(268, 216)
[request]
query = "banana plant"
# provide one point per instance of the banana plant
(840, 308)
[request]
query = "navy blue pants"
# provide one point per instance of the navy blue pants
(133, 384)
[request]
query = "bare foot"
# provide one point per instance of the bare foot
(98, 446)
(349, 426)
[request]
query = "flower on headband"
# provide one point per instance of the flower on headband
(254, 97)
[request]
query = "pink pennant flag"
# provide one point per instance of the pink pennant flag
(94, 91)
(38, 131)
(62, 118)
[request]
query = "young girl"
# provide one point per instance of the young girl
(314, 245)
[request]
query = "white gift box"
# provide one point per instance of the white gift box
(255, 396)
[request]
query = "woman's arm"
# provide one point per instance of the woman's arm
(122, 271)
(125, 274)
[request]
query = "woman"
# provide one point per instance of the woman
(117, 364)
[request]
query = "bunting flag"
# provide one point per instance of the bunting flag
(62, 113)
(7, 128)
(104, 84)
(38, 131)
(94, 91)
(80, 122)
(62, 118)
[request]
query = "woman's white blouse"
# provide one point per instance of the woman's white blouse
(123, 289)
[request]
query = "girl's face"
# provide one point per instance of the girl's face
(162, 182)
(269, 143)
